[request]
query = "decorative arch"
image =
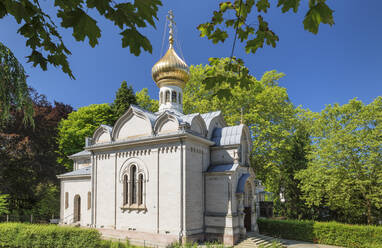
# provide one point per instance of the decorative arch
(141, 168)
(166, 123)
(216, 121)
(198, 125)
(133, 123)
(102, 134)
(133, 176)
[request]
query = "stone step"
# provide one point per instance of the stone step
(254, 240)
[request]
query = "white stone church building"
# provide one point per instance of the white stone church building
(164, 177)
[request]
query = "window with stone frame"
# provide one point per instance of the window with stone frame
(89, 200)
(125, 189)
(66, 199)
(133, 184)
(161, 97)
(167, 96)
(140, 189)
(173, 96)
(134, 189)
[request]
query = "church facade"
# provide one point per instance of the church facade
(164, 177)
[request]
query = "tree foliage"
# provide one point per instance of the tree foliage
(237, 14)
(144, 101)
(42, 33)
(123, 98)
(45, 41)
(13, 87)
(265, 106)
(345, 167)
(80, 124)
(4, 204)
(28, 157)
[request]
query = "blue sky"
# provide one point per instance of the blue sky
(341, 62)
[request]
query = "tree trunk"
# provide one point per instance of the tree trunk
(369, 218)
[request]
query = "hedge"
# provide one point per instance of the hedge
(329, 233)
(33, 235)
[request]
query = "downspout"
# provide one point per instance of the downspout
(158, 151)
(115, 192)
(95, 192)
(204, 196)
(181, 192)
(92, 189)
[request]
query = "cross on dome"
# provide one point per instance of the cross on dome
(170, 74)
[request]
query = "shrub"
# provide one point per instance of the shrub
(31, 235)
(330, 233)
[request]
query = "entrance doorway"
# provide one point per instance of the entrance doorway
(77, 208)
(247, 218)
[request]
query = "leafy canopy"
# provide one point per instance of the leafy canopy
(45, 41)
(144, 101)
(27, 155)
(123, 98)
(80, 124)
(3, 204)
(237, 14)
(345, 165)
(265, 106)
(13, 87)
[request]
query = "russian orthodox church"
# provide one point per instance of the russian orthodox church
(164, 177)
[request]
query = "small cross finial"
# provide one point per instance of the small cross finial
(171, 25)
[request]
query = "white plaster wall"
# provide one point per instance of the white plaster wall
(103, 138)
(134, 127)
(222, 156)
(217, 193)
(168, 127)
(80, 186)
(143, 221)
(80, 163)
(162, 218)
(104, 205)
(170, 190)
(194, 187)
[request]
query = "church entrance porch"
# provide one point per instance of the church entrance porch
(247, 219)
(77, 208)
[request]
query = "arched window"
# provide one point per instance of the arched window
(167, 96)
(180, 98)
(125, 189)
(77, 208)
(161, 97)
(133, 172)
(173, 96)
(140, 189)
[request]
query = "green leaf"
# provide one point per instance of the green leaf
(263, 5)
(82, 24)
(317, 14)
(288, 4)
(133, 39)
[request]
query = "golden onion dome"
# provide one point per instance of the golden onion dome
(170, 70)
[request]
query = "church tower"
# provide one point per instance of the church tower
(170, 74)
